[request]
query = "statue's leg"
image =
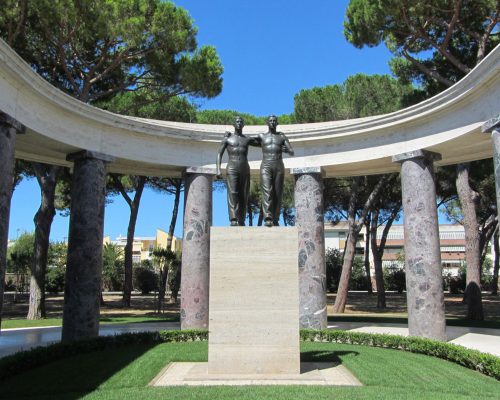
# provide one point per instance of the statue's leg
(279, 179)
(232, 195)
(244, 188)
(266, 188)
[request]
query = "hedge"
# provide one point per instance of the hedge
(485, 363)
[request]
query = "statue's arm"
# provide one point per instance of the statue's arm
(287, 147)
(222, 149)
(255, 141)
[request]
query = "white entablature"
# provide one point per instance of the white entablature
(58, 124)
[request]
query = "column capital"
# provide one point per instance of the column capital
(491, 125)
(307, 170)
(86, 154)
(12, 122)
(200, 170)
(430, 155)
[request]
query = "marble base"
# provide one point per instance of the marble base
(311, 373)
(254, 301)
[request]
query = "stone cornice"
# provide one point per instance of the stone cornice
(57, 124)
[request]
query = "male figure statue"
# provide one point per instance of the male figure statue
(237, 171)
(272, 171)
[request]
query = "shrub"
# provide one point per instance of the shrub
(54, 280)
(358, 275)
(145, 280)
(333, 269)
(487, 364)
(472, 359)
(395, 279)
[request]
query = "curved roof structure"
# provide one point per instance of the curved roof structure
(57, 125)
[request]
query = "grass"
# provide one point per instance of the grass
(123, 373)
(450, 321)
(25, 323)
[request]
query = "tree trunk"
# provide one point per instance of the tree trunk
(128, 262)
(496, 246)
(377, 261)
(345, 276)
(162, 288)
(367, 256)
(467, 197)
(354, 228)
(175, 212)
(47, 178)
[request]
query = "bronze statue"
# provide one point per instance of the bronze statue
(237, 171)
(272, 171)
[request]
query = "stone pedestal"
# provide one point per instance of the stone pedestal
(84, 266)
(311, 228)
(424, 282)
(196, 248)
(9, 127)
(254, 301)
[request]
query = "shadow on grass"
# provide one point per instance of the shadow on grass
(491, 323)
(325, 356)
(73, 377)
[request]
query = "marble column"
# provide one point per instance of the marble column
(9, 127)
(84, 264)
(493, 126)
(311, 229)
(196, 247)
(424, 282)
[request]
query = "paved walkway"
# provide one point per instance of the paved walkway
(482, 339)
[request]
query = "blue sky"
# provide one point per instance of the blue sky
(270, 51)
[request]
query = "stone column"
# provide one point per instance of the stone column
(311, 228)
(493, 126)
(84, 265)
(196, 247)
(9, 127)
(424, 282)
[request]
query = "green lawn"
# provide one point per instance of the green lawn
(492, 323)
(25, 323)
(124, 373)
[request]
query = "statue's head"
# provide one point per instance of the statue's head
(272, 121)
(239, 123)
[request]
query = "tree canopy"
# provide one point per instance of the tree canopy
(435, 42)
(359, 96)
(93, 49)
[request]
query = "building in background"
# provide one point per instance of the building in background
(452, 239)
(142, 248)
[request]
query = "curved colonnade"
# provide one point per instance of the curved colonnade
(60, 130)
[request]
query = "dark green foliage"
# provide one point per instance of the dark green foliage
(333, 269)
(19, 362)
(54, 280)
(226, 117)
(472, 359)
(112, 267)
(435, 42)
(20, 254)
(395, 279)
(334, 260)
(359, 96)
(358, 276)
(145, 280)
